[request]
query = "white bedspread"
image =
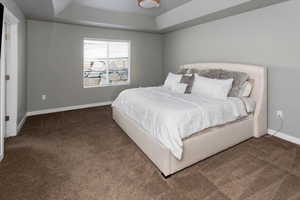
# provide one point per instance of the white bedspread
(171, 117)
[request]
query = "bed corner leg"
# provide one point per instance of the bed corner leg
(165, 177)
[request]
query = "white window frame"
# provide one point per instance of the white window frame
(129, 62)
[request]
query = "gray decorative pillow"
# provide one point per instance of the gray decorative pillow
(208, 73)
(239, 78)
(189, 80)
(182, 71)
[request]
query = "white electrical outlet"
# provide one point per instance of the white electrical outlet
(44, 97)
(279, 114)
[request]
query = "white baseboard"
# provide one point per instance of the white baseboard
(11, 134)
(21, 124)
(284, 136)
(17, 128)
(61, 109)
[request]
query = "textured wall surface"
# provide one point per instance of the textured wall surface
(55, 59)
(268, 36)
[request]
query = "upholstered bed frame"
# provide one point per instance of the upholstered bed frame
(208, 142)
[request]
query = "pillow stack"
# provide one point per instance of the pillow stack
(215, 83)
(240, 80)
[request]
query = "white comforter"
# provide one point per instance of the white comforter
(171, 117)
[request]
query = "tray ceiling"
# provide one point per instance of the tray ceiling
(131, 6)
(126, 14)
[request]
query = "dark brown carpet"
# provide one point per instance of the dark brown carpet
(84, 155)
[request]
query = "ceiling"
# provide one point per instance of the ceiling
(131, 6)
(126, 14)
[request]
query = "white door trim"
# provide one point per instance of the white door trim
(13, 21)
(12, 71)
(2, 94)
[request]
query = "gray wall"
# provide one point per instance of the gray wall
(55, 58)
(22, 90)
(268, 36)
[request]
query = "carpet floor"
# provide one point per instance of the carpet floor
(84, 155)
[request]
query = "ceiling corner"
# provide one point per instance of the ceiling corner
(60, 5)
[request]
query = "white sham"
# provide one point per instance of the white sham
(212, 88)
(172, 79)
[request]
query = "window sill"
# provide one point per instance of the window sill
(108, 85)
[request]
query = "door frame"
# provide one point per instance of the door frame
(12, 61)
(12, 71)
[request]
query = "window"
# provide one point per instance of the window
(106, 63)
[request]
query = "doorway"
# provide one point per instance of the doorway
(9, 78)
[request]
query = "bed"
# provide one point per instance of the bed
(207, 142)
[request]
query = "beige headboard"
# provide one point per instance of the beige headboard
(259, 93)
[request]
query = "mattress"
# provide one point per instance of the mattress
(171, 117)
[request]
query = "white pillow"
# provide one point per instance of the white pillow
(246, 89)
(179, 88)
(213, 88)
(172, 79)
